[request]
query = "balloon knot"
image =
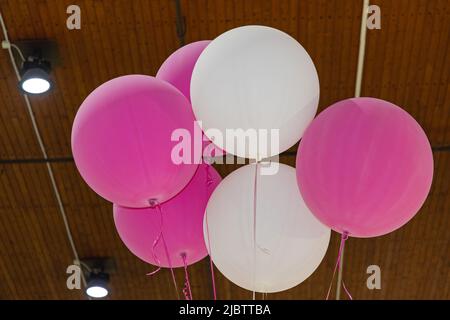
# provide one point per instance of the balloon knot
(153, 202)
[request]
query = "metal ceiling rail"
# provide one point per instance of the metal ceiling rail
(70, 159)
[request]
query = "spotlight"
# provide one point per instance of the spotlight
(97, 285)
(97, 271)
(35, 76)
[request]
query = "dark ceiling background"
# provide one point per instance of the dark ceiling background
(406, 63)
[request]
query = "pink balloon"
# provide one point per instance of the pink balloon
(121, 140)
(178, 67)
(182, 223)
(177, 70)
(364, 166)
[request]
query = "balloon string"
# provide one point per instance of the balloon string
(174, 280)
(155, 243)
(211, 266)
(338, 263)
(346, 291)
(155, 204)
(255, 192)
(209, 180)
(187, 285)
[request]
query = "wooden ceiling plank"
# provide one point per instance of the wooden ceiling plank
(192, 32)
(70, 54)
(31, 261)
(47, 111)
(10, 269)
(61, 111)
(375, 56)
(9, 148)
(125, 48)
(293, 18)
(436, 229)
(170, 26)
(238, 13)
(48, 229)
(416, 54)
(330, 41)
(406, 56)
(104, 34)
(216, 17)
(141, 40)
(53, 231)
(355, 35)
(75, 208)
(439, 109)
(387, 72)
(153, 13)
(432, 64)
(203, 24)
(151, 32)
(15, 10)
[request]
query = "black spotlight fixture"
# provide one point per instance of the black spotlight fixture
(35, 76)
(35, 59)
(97, 285)
(97, 271)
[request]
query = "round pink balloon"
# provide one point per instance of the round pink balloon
(177, 70)
(364, 166)
(178, 67)
(182, 223)
(121, 140)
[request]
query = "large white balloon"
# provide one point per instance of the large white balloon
(290, 241)
(255, 77)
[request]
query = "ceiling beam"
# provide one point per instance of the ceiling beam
(70, 159)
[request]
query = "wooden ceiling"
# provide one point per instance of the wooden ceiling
(406, 63)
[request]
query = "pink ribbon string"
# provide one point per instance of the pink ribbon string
(211, 266)
(187, 284)
(160, 236)
(336, 267)
(346, 291)
(155, 243)
(209, 180)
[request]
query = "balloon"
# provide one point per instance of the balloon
(182, 224)
(290, 241)
(177, 70)
(364, 166)
(259, 80)
(178, 67)
(121, 140)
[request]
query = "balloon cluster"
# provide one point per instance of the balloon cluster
(364, 166)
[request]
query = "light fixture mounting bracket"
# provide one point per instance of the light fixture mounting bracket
(45, 50)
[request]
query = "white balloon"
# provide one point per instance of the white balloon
(255, 77)
(290, 241)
